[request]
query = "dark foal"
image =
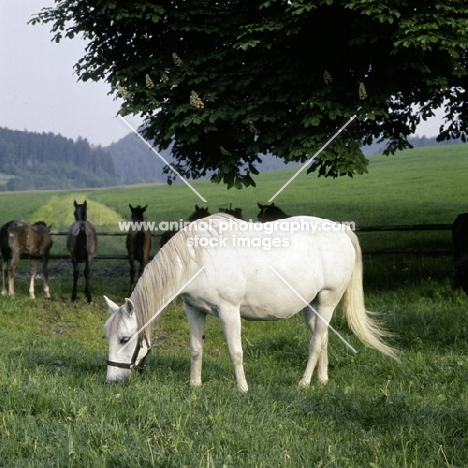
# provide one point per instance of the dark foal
(199, 213)
(82, 244)
(138, 243)
(270, 213)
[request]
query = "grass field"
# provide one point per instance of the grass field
(56, 410)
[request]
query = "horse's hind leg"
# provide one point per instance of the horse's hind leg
(87, 274)
(45, 277)
(132, 274)
(318, 348)
(4, 275)
(33, 278)
(76, 274)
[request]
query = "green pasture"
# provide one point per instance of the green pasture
(56, 410)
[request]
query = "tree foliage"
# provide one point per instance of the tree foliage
(227, 81)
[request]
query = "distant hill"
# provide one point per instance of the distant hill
(417, 142)
(136, 163)
(48, 161)
(31, 160)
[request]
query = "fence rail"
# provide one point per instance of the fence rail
(376, 251)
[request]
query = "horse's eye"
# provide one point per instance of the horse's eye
(124, 339)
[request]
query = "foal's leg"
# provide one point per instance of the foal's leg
(33, 278)
(76, 274)
(87, 274)
(197, 321)
(4, 275)
(318, 347)
(132, 273)
(11, 274)
(45, 277)
(231, 323)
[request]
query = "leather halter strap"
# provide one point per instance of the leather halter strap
(141, 366)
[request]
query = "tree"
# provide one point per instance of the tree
(230, 80)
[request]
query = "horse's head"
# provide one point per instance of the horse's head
(42, 224)
(199, 213)
(236, 212)
(81, 211)
(137, 212)
(127, 351)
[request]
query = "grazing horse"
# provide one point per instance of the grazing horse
(82, 244)
(271, 275)
(19, 239)
(270, 213)
(199, 213)
(460, 252)
(138, 243)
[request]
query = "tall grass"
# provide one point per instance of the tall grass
(56, 410)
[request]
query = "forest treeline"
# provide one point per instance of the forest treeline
(49, 161)
(32, 161)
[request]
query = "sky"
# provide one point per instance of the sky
(41, 93)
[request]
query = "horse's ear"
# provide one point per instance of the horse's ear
(260, 206)
(129, 306)
(113, 307)
(197, 207)
(130, 206)
(85, 203)
(144, 208)
(75, 204)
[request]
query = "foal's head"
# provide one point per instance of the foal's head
(270, 213)
(81, 211)
(199, 213)
(137, 212)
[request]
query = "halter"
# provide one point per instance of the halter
(141, 366)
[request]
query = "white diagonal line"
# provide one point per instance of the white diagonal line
(312, 158)
(163, 159)
(313, 310)
(161, 309)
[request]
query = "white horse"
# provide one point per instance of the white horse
(232, 269)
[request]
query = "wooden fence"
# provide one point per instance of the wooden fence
(397, 250)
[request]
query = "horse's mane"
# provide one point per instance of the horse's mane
(174, 264)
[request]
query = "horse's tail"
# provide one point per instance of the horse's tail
(82, 238)
(366, 329)
(139, 244)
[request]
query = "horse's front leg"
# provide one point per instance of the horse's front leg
(33, 278)
(197, 322)
(11, 274)
(231, 323)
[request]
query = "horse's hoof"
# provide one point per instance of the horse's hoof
(304, 384)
